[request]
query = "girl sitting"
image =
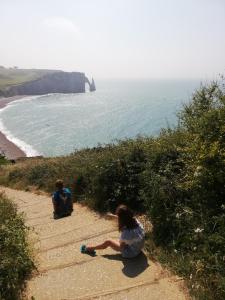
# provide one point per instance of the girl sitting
(132, 236)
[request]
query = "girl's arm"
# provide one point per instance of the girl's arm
(122, 244)
(111, 216)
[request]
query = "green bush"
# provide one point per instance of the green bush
(185, 193)
(15, 259)
(118, 181)
(3, 160)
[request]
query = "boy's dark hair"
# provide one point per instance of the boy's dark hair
(59, 184)
(125, 218)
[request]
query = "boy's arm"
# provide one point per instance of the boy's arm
(54, 203)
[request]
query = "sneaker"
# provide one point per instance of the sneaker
(83, 249)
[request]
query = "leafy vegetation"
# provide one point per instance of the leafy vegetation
(177, 178)
(3, 160)
(15, 258)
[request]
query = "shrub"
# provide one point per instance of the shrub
(15, 259)
(119, 181)
(3, 160)
(184, 192)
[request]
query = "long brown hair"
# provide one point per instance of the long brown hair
(125, 218)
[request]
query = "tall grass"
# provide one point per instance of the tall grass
(16, 261)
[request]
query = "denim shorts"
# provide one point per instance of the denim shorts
(130, 251)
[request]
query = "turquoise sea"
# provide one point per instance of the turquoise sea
(57, 124)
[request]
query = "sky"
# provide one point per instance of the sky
(115, 38)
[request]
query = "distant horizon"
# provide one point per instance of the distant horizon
(111, 39)
(216, 77)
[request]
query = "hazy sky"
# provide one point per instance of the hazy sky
(115, 38)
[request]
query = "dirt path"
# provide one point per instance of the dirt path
(65, 273)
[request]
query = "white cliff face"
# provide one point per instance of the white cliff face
(92, 87)
(58, 82)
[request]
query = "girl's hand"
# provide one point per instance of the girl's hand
(111, 216)
(122, 244)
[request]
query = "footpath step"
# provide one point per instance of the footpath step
(65, 273)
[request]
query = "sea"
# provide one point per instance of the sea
(59, 124)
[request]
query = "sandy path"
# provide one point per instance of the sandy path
(65, 273)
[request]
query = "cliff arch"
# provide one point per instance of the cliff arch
(91, 84)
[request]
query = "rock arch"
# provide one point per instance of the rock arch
(91, 84)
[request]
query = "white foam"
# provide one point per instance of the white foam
(25, 99)
(26, 148)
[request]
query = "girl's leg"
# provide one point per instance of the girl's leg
(115, 245)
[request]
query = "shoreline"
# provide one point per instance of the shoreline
(9, 149)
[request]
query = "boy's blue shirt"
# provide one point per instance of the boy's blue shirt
(64, 192)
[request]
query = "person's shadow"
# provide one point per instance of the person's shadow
(132, 267)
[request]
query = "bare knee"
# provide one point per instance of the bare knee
(115, 245)
(108, 243)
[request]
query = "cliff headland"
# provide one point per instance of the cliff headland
(16, 81)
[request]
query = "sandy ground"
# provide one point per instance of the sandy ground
(65, 273)
(10, 150)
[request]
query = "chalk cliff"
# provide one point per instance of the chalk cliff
(92, 86)
(56, 82)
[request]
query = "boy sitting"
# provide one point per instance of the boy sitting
(62, 201)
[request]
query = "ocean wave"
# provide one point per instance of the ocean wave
(28, 149)
(25, 99)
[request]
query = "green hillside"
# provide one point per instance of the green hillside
(14, 76)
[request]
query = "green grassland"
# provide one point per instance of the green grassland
(14, 76)
(177, 179)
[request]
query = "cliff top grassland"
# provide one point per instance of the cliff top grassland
(15, 76)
